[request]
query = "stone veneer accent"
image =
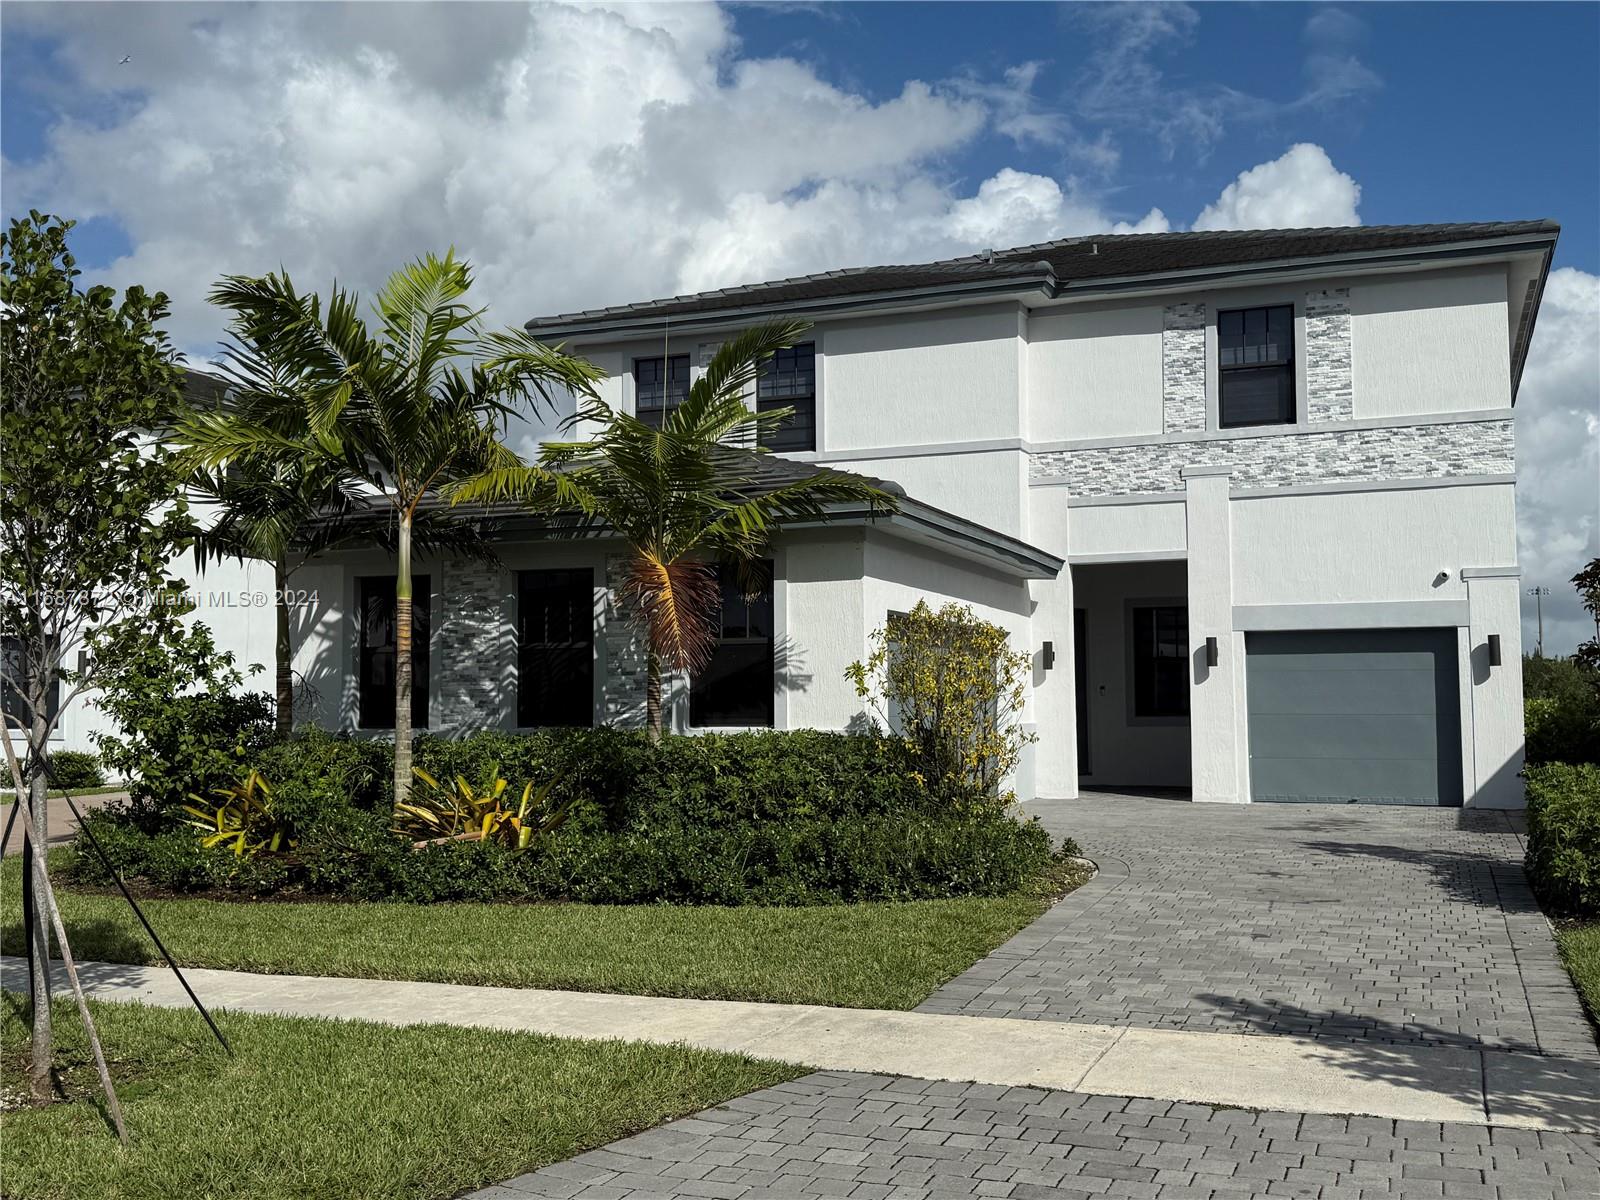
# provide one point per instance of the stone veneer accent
(1327, 332)
(1183, 367)
(1279, 460)
(625, 654)
(470, 661)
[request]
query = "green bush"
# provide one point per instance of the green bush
(799, 817)
(1561, 710)
(73, 769)
(1563, 859)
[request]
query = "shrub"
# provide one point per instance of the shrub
(1561, 710)
(1563, 858)
(72, 769)
(243, 818)
(949, 687)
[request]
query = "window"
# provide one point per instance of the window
(1255, 377)
(1161, 661)
(377, 651)
(659, 385)
(736, 687)
(18, 716)
(555, 648)
(789, 380)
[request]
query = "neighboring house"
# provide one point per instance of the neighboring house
(1246, 498)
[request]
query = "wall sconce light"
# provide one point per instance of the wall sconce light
(1211, 652)
(1048, 657)
(1494, 649)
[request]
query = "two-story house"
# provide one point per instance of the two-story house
(1246, 498)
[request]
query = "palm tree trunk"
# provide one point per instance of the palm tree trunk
(652, 694)
(285, 684)
(402, 664)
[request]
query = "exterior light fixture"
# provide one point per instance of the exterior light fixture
(1494, 649)
(1211, 652)
(1048, 657)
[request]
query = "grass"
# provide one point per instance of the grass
(316, 1107)
(1580, 950)
(856, 956)
(9, 795)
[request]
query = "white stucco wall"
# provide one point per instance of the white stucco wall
(1130, 530)
(1430, 343)
(1369, 546)
(989, 487)
(1094, 372)
(823, 627)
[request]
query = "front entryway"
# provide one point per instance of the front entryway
(1354, 716)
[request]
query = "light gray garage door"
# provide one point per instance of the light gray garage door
(1368, 716)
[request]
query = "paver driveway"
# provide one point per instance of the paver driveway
(1377, 924)
(870, 1137)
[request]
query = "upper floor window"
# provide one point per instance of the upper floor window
(1161, 661)
(1255, 376)
(735, 689)
(789, 380)
(659, 386)
(377, 665)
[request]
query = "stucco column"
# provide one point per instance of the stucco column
(1495, 731)
(1216, 694)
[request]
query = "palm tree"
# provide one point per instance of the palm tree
(395, 412)
(682, 497)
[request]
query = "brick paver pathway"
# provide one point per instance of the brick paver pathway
(871, 1137)
(1381, 925)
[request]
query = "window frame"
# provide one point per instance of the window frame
(1292, 365)
(421, 603)
(520, 578)
(657, 416)
(1131, 613)
(695, 721)
(774, 442)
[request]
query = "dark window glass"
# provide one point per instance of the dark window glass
(1255, 377)
(555, 648)
(1161, 662)
(736, 687)
(659, 385)
(789, 380)
(377, 651)
(18, 716)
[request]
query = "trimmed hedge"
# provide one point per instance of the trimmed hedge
(800, 817)
(73, 769)
(1563, 858)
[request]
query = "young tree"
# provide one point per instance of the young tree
(1587, 581)
(682, 497)
(91, 511)
(402, 409)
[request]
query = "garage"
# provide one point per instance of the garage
(1368, 716)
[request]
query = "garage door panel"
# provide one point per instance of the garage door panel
(1291, 690)
(1354, 716)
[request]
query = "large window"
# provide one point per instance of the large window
(1255, 375)
(377, 651)
(789, 380)
(659, 385)
(555, 647)
(736, 687)
(18, 716)
(1161, 661)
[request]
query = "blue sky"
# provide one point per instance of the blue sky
(597, 155)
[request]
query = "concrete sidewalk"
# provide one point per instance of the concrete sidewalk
(1423, 1083)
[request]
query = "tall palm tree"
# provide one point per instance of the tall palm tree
(396, 412)
(683, 497)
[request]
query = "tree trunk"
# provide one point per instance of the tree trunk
(285, 682)
(652, 695)
(39, 931)
(402, 664)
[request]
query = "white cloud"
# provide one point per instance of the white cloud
(1558, 456)
(1301, 188)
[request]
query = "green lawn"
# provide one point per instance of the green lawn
(314, 1107)
(8, 795)
(857, 956)
(1580, 950)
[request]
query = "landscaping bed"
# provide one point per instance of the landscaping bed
(419, 1113)
(880, 955)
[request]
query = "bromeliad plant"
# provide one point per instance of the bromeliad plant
(461, 812)
(244, 820)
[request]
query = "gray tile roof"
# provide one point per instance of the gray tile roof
(1070, 260)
